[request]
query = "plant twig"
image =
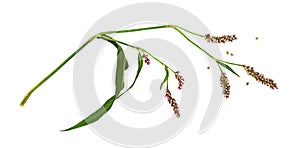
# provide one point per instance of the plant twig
(54, 71)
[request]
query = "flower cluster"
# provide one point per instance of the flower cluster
(146, 59)
(260, 77)
(173, 103)
(220, 39)
(180, 80)
(225, 85)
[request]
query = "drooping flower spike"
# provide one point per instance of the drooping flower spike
(180, 80)
(173, 103)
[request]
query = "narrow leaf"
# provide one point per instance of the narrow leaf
(166, 77)
(121, 63)
(94, 116)
(227, 67)
(126, 64)
(140, 66)
(119, 48)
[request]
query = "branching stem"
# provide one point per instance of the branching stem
(104, 36)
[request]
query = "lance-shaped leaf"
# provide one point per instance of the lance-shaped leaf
(96, 115)
(228, 67)
(121, 63)
(140, 65)
(166, 77)
(119, 48)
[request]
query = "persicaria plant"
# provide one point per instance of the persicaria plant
(145, 56)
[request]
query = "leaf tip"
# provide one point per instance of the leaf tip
(161, 86)
(64, 130)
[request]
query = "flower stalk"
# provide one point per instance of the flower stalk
(55, 70)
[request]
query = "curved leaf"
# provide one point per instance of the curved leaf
(166, 77)
(94, 116)
(227, 67)
(119, 48)
(140, 66)
(121, 63)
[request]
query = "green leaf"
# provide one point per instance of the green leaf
(121, 63)
(119, 48)
(166, 77)
(94, 116)
(227, 67)
(140, 65)
(126, 64)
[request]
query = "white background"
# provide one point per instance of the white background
(36, 36)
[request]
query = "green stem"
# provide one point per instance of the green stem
(134, 30)
(181, 33)
(175, 27)
(159, 61)
(137, 48)
(231, 63)
(107, 38)
(188, 31)
(220, 68)
(164, 26)
(54, 71)
(167, 88)
(103, 36)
